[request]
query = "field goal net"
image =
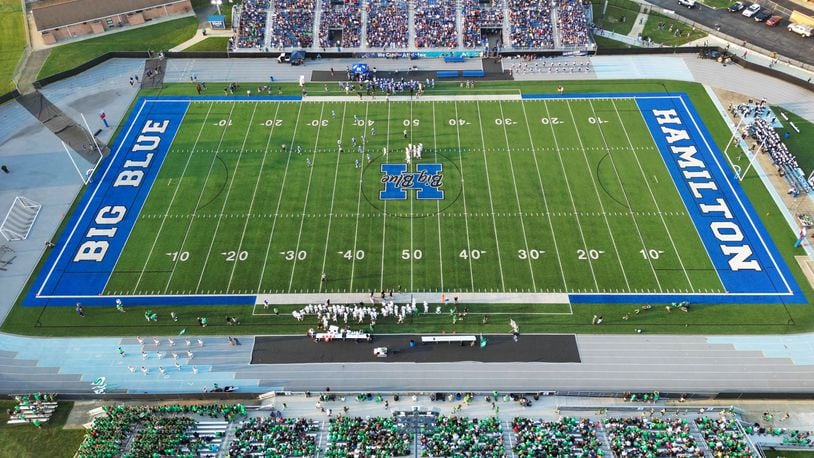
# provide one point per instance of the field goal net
(20, 219)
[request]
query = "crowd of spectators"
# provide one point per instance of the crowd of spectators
(766, 136)
(463, 436)
(572, 23)
(251, 30)
(723, 436)
(348, 19)
(478, 17)
(642, 436)
(292, 28)
(156, 430)
(294, 4)
(387, 24)
(377, 436)
(567, 436)
(274, 436)
(530, 24)
(435, 24)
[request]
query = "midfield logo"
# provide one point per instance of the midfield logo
(426, 181)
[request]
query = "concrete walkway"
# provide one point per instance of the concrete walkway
(199, 37)
(638, 24)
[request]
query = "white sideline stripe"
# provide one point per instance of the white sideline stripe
(517, 198)
(307, 192)
(254, 195)
(200, 196)
(407, 98)
(226, 201)
(144, 204)
(598, 197)
(545, 199)
(433, 298)
(279, 201)
(624, 193)
(652, 194)
(87, 205)
(333, 196)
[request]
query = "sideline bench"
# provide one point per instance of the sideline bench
(473, 73)
(447, 338)
(454, 59)
(446, 74)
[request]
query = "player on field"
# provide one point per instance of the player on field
(307, 162)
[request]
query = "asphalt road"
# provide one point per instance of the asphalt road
(777, 39)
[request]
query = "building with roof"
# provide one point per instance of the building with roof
(59, 20)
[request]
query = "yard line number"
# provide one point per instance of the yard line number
(318, 123)
(471, 254)
(530, 254)
(589, 254)
(273, 123)
(651, 253)
(179, 256)
(457, 122)
(504, 122)
(411, 122)
(291, 255)
(550, 120)
(350, 255)
(232, 256)
(414, 254)
(596, 120)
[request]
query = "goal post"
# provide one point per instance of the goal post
(20, 219)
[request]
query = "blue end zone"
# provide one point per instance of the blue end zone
(746, 260)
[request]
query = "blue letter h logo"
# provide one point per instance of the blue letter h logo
(426, 181)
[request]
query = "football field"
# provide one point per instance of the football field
(509, 195)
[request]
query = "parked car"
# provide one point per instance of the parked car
(687, 3)
(773, 21)
(752, 10)
(761, 16)
(801, 29)
(736, 7)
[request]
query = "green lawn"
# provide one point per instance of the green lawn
(703, 318)
(216, 44)
(608, 43)
(12, 37)
(26, 441)
(619, 16)
(157, 37)
(666, 35)
(799, 144)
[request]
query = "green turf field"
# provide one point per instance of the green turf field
(540, 196)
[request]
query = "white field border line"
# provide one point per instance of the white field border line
(517, 198)
(545, 199)
(172, 140)
(200, 196)
(686, 208)
(570, 195)
(650, 190)
(307, 192)
(624, 193)
(463, 194)
(254, 194)
(279, 201)
(226, 200)
(359, 197)
(599, 199)
(384, 216)
(731, 187)
(333, 195)
(437, 203)
(90, 200)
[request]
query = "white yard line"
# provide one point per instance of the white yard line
(333, 196)
(254, 194)
(279, 201)
(358, 201)
(624, 193)
(226, 199)
(307, 192)
(437, 203)
(517, 198)
(570, 195)
(172, 199)
(598, 197)
(652, 194)
(545, 199)
(491, 202)
(200, 196)
(384, 216)
(463, 194)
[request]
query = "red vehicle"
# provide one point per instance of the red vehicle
(773, 21)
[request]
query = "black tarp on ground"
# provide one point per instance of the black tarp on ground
(500, 349)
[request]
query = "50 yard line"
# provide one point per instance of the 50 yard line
(384, 217)
(438, 203)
